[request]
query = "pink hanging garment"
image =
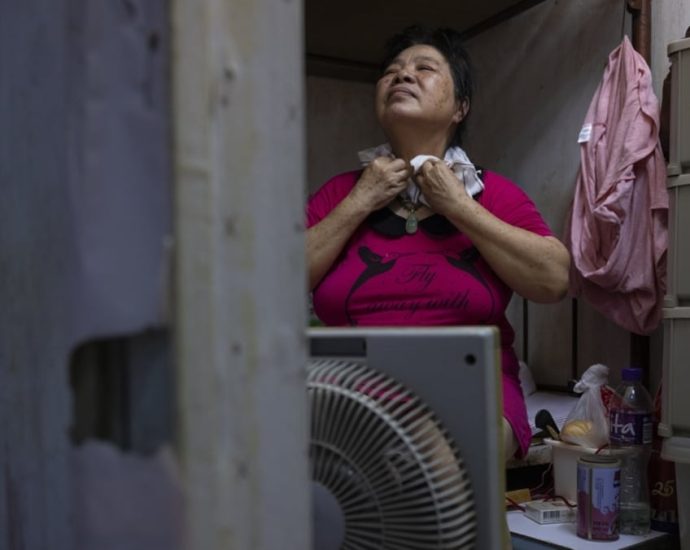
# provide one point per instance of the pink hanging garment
(617, 232)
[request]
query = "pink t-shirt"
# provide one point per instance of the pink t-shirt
(435, 277)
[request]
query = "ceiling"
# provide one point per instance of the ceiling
(349, 36)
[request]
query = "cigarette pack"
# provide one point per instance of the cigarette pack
(551, 511)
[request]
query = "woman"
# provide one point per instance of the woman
(414, 240)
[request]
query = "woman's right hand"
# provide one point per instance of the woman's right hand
(379, 183)
(382, 180)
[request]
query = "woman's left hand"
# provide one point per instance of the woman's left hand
(535, 267)
(440, 186)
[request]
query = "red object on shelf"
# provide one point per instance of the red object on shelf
(607, 394)
(662, 481)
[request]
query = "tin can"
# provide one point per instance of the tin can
(598, 492)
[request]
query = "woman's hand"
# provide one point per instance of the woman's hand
(440, 186)
(535, 267)
(381, 181)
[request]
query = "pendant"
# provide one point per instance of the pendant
(411, 224)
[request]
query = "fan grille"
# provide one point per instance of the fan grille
(388, 461)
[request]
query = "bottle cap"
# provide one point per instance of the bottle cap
(632, 374)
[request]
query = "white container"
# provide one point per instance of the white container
(679, 151)
(564, 459)
(678, 291)
(675, 409)
(677, 449)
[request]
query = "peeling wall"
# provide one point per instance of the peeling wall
(120, 185)
(85, 211)
(37, 255)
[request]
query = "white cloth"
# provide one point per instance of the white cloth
(455, 158)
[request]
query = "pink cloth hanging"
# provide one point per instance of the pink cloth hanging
(617, 231)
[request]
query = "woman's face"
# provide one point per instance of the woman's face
(418, 85)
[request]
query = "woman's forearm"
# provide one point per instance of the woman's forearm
(379, 183)
(535, 267)
(326, 239)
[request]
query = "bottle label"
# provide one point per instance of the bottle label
(630, 427)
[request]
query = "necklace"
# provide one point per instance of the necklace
(411, 223)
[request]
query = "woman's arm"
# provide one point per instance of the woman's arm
(326, 239)
(380, 182)
(535, 267)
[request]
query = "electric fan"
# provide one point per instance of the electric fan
(386, 472)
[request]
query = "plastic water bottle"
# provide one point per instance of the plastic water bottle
(630, 420)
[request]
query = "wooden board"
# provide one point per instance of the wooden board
(240, 289)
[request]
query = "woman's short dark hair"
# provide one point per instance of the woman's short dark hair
(449, 43)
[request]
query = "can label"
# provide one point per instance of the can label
(630, 427)
(598, 491)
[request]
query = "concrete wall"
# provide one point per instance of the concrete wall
(36, 258)
(83, 222)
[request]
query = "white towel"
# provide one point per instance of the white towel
(455, 158)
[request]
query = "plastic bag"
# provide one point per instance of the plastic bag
(588, 424)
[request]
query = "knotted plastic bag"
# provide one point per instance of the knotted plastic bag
(588, 424)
